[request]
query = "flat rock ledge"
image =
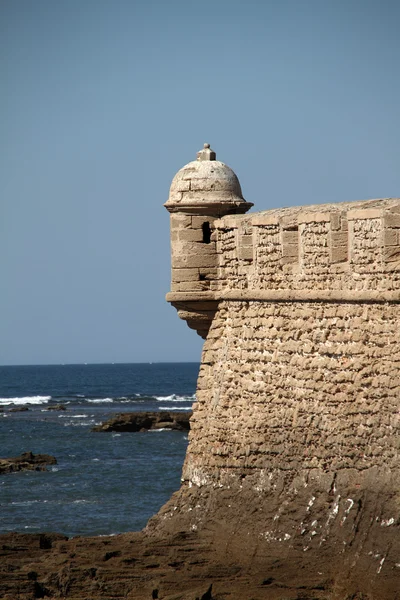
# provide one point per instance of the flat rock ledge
(145, 421)
(26, 462)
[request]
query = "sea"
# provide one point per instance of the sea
(103, 483)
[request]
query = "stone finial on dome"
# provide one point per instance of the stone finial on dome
(207, 153)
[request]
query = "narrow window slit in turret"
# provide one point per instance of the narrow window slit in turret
(206, 232)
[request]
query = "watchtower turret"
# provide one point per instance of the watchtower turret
(201, 192)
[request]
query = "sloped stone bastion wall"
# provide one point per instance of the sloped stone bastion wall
(294, 447)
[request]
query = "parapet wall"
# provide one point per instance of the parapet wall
(342, 247)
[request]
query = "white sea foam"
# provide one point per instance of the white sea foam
(175, 408)
(72, 416)
(25, 400)
(98, 400)
(175, 398)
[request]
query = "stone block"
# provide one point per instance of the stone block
(392, 220)
(391, 253)
(335, 221)
(194, 261)
(290, 250)
(246, 240)
(175, 197)
(231, 222)
(179, 275)
(191, 235)
(204, 184)
(289, 222)
(245, 252)
(314, 217)
(364, 213)
(196, 248)
(339, 254)
(339, 238)
(179, 221)
(265, 219)
(391, 237)
(183, 185)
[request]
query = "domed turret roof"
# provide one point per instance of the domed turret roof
(205, 185)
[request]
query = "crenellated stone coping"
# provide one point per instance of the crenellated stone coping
(359, 236)
(389, 208)
(288, 218)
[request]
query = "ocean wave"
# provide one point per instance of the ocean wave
(78, 423)
(174, 408)
(72, 416)
(25, 400)
(176, 398)
(98, 400)
(26, 502)
(157, 430)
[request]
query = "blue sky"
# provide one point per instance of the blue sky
(103, 101)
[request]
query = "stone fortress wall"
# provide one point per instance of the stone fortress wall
(295, 429)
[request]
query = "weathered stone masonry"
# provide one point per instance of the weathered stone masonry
(291, 385)
(298, 398)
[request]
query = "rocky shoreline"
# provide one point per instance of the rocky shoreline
(227, 558)
(135, 566)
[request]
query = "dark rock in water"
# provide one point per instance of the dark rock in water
(143, 421)
(56, 407)
(19, 409)
(26, 462)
